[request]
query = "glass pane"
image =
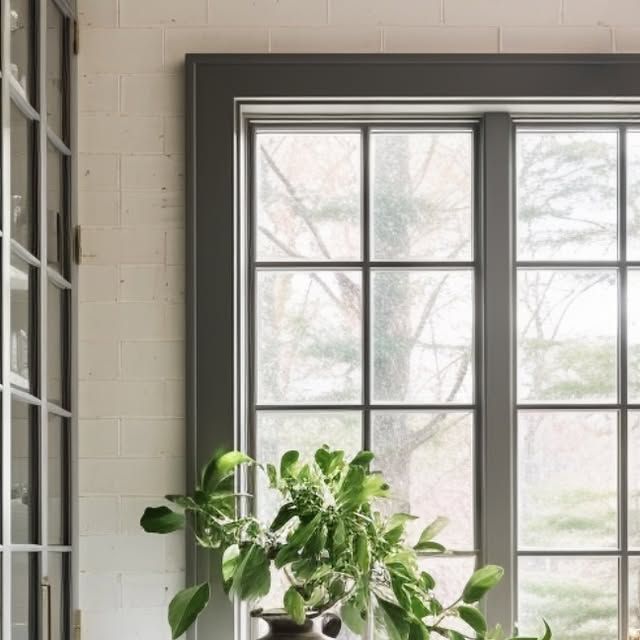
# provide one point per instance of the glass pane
(422, 329)
(24, 465)
(22, 180)
(56, 218)
(567, 335)
(308, 336)
(57, 474)
(406, 444)
(56, 343)
(634, 598)
(577, 596)
(567, 198)
(59, 581)
(422, 195)
(633, 334)
(55, 76)
(567, 479)
(21, 24)
(24, 596)
(308, 195)
(633, 195)
(634, 478)
(23, 326)
(278, 432)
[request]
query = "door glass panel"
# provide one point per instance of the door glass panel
(24, 596)
(308, 196)
(22, 180)
(634, 598)
(55, 62)
(422, 329)
(23, 326)
(56, 215)
(56, 343)
(308, 336)
(577, 596)
(422, 195)
(633, 195)
(21, 25)
(566, 352)
(58, 474)
(406, 444)
(633, 450)
(567, 197)
(59, 582)
(24, 464)
(568, 479)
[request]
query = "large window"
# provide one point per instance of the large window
(436, 258)
(36, 272)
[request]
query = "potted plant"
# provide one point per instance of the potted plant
(336, 550)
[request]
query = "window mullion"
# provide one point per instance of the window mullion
(498, 544)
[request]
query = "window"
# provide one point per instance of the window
(451, 284)
(36, 271)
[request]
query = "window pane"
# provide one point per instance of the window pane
(633, 195)
(634, 598)
(56, 343)
(23, 326)
(278, 432)
(567, 195)
(56, 218)
(422, 195)
(567, 479)
(308, 336)
(24, 596)
(422, 329)
(24, 465)
(633, 334)
(55, 77)
(406, 445)
(59, 581)
(634, 478)
(450, 574)
(577, 596)
(22, 50)
(22, 180)
(567, 335)
(308, 195)
(57, 474)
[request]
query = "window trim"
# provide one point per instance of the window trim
(223, 90)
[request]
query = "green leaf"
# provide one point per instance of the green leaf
(432, 530)
(304, 531)
(185, 608)
(161, 520)
(394, 619)
(482, 581)
(288, 462)
(454, 635)
(362, 459)
(473, 617)
(230, 562)
(294, 605)
(221, 468)
(252, 578)
(395, 526)
(430, 546)
(547, 631)
(362, 553)
(272, 474)
(352, 616)
(287, 511)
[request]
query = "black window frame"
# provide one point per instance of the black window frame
(220, 87)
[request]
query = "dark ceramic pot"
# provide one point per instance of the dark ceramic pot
(282, 627)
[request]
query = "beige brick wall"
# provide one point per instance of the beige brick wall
(131, 183)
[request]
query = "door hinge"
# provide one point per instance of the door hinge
(76, 631)
(77, 244)
(76, 37)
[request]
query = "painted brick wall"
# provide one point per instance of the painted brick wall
(131, 183)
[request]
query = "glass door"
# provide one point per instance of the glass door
(36, 269)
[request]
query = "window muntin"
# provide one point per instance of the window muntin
(355, 342)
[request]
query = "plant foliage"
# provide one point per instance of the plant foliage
(335, 548)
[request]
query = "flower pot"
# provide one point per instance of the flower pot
(282, 627)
